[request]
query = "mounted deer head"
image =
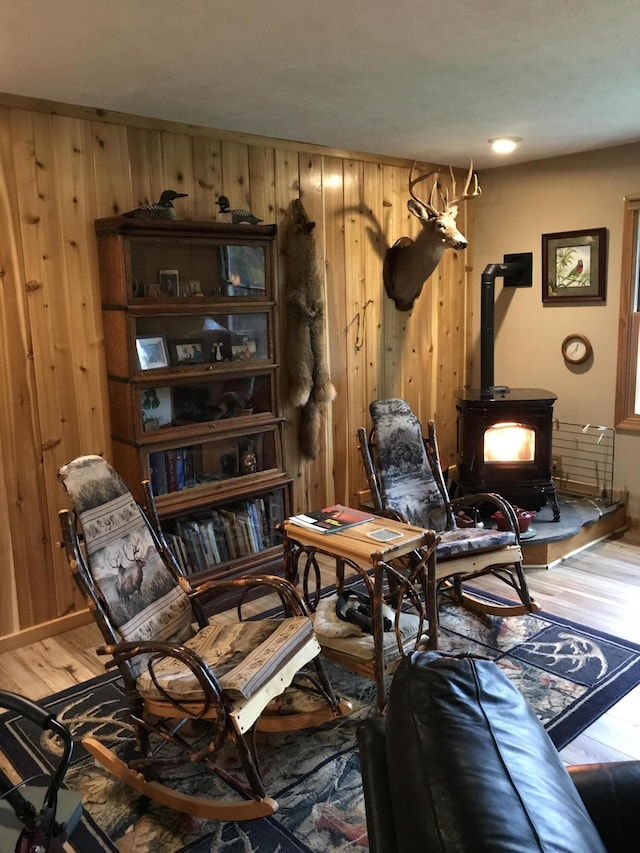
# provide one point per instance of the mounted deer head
(409, 263)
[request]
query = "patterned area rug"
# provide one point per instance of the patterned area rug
(570, 675)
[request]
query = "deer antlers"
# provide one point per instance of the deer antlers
(466, 194)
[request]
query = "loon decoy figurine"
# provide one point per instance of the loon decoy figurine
(236, 214)
(163, 209)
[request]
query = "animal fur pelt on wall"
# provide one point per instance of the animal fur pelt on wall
(305, 334)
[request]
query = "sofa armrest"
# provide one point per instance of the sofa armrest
(375, 782)
(611, 793)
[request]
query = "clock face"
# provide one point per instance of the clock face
(576, 349)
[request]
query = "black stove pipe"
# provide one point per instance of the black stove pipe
(487, 325)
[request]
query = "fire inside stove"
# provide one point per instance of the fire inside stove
(509, 442)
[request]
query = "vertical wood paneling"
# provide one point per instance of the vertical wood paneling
(355, 300)
(334, 263)
(111, 168)
(372, 308)
(60, 173)
(42, 241)
(207, 177)
(262, 184)
(146, 166)
(178, 170)
(235, 177)
(19, 446)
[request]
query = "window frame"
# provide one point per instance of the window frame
(629, 319)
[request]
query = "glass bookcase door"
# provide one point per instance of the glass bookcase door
(214, 461)
(244, 528)
(201, 340)
(162, 270)
(209, 399)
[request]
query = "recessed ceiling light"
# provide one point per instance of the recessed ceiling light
(504, 144)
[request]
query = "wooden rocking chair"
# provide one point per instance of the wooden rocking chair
(406, 482)
(183, 674)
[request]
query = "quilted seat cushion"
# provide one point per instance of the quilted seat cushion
(471, 540)
(244, 656)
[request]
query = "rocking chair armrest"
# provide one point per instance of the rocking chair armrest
(128, 650)
(289, 596)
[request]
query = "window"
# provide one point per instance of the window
(628, 374)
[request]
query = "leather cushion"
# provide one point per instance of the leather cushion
(471, 768)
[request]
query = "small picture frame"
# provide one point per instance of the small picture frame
(574, 267)
(244, 346)
(169, 282)
(194, 288)
(155, 404)
(244, 270)
(187, 352)
(183, 288)
(152, 352)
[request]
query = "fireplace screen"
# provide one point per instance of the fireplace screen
(509, 442)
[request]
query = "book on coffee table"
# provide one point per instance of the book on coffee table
(331, 519)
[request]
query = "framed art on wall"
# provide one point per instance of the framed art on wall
(574, 267)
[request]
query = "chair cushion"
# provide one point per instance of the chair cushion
(471, 768)
(406, 480)
(244, 656)
(142, 596)
(465, 540)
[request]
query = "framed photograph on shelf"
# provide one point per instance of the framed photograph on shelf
(243, 270)
(574, 267)
(187, 352)
(244, 345)
(152, 352)
(169, 282)
(156, 408)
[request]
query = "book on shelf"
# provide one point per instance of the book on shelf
(204, 539)
(331, 519)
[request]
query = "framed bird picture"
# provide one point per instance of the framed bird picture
(574, 267)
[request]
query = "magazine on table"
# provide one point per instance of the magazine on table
(331, 519)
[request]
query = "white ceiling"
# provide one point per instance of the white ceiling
(411, 78)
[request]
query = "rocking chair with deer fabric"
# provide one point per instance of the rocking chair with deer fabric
(198, 688)
(406, 482)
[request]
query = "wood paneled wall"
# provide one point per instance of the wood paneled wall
(61, 168)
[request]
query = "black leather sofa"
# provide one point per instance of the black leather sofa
(461, 763)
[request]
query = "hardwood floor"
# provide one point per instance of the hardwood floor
(599, 587)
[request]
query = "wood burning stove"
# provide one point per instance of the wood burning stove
(503, 434)
(504, 445)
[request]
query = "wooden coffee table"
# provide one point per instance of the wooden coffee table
(407, 563)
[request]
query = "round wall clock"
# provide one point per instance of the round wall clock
(576, 349)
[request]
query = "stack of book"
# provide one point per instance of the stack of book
(331, 519)
(239, 529)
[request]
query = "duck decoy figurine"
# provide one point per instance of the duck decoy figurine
(237, 215)
(163, 209)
